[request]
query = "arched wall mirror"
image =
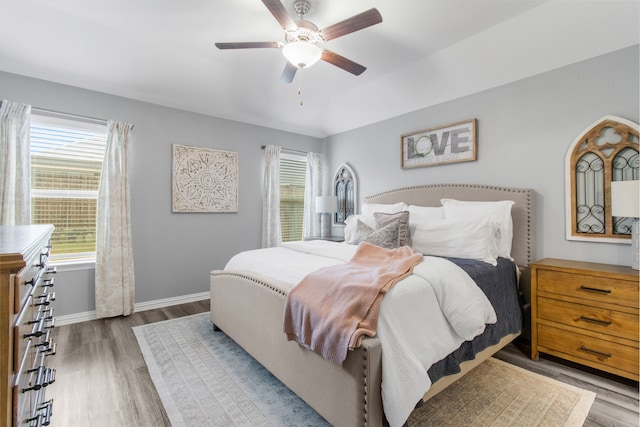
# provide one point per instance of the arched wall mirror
(345, 188)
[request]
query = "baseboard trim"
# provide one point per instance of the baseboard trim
(86, 316)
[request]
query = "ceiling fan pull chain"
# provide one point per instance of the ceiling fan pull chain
(300, 86)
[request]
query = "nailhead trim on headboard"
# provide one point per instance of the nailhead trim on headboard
(525, 200)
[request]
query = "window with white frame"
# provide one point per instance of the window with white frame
(66, 162)
(293, 170)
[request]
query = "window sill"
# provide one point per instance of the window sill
(63, 265)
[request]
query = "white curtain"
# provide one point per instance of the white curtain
(15, 163)
(271, 232)
(114, 254)
(312, 189)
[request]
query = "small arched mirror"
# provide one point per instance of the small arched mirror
(345, 188)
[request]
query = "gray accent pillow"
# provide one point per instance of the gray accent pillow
(404, 236)
(385, 237)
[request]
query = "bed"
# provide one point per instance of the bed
(248, 306)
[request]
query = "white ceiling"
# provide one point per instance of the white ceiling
(423, 53)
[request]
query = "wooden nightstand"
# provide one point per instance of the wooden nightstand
(586, 313)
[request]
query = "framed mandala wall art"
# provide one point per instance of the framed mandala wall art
(204, 180)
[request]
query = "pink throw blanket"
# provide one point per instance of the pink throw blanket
(333, 308)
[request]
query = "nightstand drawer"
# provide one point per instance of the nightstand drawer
(598, 353)
(596, 319)
(594, 288)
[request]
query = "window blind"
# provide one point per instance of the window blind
(293, 171)
(66, 161)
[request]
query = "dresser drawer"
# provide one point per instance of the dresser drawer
(598, 353)
(593, 288)
(596, 319)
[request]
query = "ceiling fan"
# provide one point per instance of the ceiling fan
(303, 38)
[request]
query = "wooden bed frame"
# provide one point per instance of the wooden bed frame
(249, 309)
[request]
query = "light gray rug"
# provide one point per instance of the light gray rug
(206, 379)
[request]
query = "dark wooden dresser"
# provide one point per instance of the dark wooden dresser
(26, 318)
(587, 313)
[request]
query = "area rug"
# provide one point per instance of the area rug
(205, 379)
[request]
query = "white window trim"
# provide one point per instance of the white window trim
(84, 264)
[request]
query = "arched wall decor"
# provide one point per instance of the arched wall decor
(345, 188)
(604, 152)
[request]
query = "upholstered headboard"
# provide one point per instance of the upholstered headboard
(522, 212)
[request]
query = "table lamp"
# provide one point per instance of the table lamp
(326, 206)
(624, 203)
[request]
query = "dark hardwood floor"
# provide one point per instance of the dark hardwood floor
(102, 379)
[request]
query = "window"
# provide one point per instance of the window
(607, 151)
(293, 170)
(66, 161)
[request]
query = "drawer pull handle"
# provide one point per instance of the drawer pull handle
(44, 259)
(43, 416)
(43, 378)
(602, 291)
(46, 346)
(46, 341)
(39, 327)
(50, 350)
(47, 407)
(48, 283)
(598, 321)
(596, 352)
(46, 313)
(49, 377)
(45, 299)
(37, 421)
(37, 330)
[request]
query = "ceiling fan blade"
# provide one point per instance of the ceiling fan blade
(288, 73)
(279, 12)
(350, 25)
(247, 45)
(342, 62)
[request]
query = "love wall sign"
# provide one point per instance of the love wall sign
(445, 144)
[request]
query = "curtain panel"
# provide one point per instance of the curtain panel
(271, 232)
(15, 163)
(312, 189)
(114, 278)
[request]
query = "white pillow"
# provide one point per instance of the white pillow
(472, 238)
(458, 209)
(368, 209)
(418, 214)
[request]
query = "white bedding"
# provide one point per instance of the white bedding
(422, 319)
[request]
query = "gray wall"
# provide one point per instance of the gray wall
(524, 131)
(173, 253)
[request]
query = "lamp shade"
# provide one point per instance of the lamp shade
(624, 199)
(301, 54)
(326, 204)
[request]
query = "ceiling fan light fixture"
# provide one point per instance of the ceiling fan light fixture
(302, 54)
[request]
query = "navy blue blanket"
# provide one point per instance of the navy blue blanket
(499, 284)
